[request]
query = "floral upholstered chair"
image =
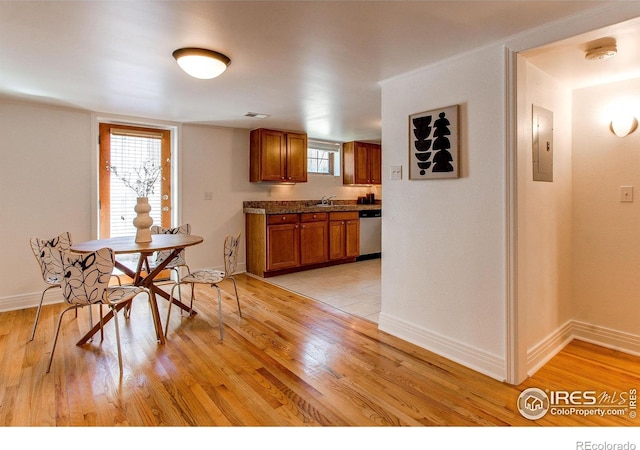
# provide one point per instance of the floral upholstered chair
(178, 261)
(85, 282)
(213, 278)
(47, 253)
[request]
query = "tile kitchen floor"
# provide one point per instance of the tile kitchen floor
(353, 288)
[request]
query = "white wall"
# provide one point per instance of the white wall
(443, 281)
(544, 219)
(606, 236)
(47, 178)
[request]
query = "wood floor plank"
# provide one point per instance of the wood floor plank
(288, 362)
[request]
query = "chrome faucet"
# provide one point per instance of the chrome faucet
(327, 200)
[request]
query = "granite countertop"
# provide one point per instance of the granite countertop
(304, 206)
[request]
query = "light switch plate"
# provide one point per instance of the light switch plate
(626, 193)
(396, 172)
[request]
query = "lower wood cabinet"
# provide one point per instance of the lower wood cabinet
(281, 243)
(344, 235)
(314, 238)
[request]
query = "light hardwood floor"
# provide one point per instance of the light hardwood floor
(290, 361)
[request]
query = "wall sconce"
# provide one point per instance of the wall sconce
(201, 63)
(623, 125)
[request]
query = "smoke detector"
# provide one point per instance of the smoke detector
(604, 52)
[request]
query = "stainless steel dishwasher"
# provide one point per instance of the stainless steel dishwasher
(370, 234)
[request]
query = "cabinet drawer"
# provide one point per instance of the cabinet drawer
(351, 215)
(313, 217)
(275, 219)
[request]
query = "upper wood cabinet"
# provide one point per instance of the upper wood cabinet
(361, 163)
(279, 156)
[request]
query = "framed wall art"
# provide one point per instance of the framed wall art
(433, 144)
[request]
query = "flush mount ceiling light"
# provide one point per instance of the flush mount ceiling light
(201, 63)
(623, 125)
(604, 52)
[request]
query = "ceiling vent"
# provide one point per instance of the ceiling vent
(257, 115)
(604, 52)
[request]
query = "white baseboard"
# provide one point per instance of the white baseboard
(541, 353)
(469, 356)
(607, 337)
(546, 349)
(24, 301)
(494, 366)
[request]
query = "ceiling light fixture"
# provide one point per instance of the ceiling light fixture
(604, 52)
(201, 63)
(623, 125)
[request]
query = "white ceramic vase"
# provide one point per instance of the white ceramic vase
(143, 220)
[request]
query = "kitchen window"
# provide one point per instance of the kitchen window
(323, 157)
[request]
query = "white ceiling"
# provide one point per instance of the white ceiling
(312, 65)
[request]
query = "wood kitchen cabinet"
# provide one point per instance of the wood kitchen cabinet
(283, 243)
(283, 238)
(344, 235)
(278, 156)
(314, 238)
(361, 163)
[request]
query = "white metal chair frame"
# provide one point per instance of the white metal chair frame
(85, 282)
(50, 265)
(47, 255)
(213, 278)
(178, 261)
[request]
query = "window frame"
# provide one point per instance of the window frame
(104, 184)
(333, 151)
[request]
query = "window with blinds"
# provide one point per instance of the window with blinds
(323, 157)
(129, 156)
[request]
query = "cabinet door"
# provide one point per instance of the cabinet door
(361, 166)
(337, 239)
(352, 238)
(273, 147)
(283, 246)
(296, 161)
(313, 242)
(375, 163)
